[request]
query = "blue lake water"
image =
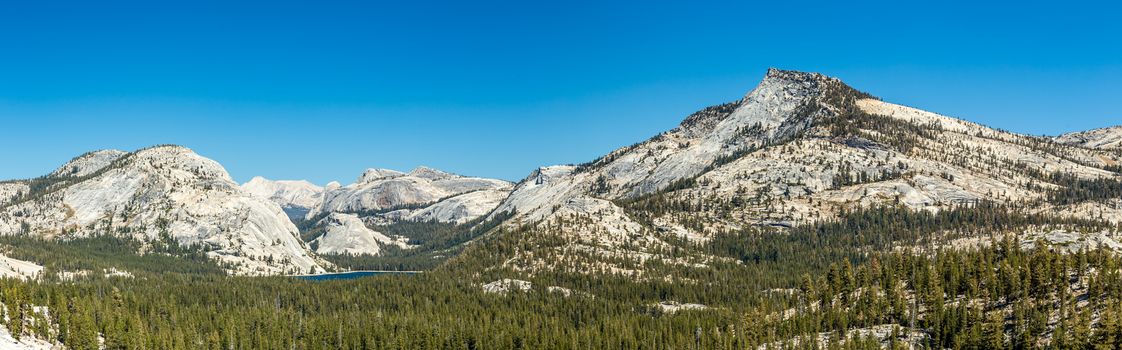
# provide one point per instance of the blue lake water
(352, 275)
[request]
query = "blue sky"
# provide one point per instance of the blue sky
(320, 90)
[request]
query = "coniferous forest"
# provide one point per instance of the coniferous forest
(818, 286)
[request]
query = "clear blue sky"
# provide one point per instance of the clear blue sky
(320, 90)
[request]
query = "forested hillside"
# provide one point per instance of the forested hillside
(820, 286)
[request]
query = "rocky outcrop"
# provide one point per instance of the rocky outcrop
(158, 193)
(348, 234)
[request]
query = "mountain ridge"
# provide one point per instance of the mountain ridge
(798, 149)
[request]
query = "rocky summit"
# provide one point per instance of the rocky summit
(799, 149)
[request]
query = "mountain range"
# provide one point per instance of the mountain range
(798, 149)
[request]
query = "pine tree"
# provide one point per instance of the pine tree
(16, 311)
(994, 330)
(83, 330)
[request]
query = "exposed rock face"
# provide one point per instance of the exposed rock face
(507, 285)
(13, 268)
(796, 149)
(297, 198)
(347, 234)
(165, 191)
(1071, 242)
(371, 175)
(784, 105)
(671, 307)
(88, 163)
(458, 209)
(775, 110)
(1105, 138)
(422, 194)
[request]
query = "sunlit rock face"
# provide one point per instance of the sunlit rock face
(158, 193)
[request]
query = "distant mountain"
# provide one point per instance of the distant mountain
(343, 219)
(386, 196)
(802, 148)
(297, 198)
(423, 194)
(157, 194)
